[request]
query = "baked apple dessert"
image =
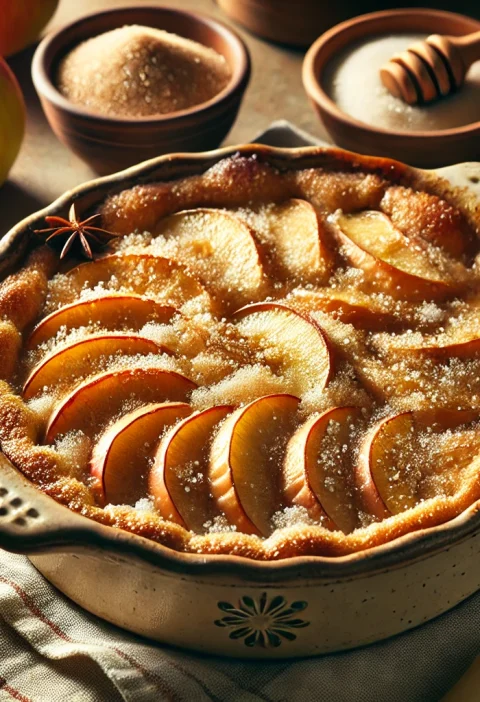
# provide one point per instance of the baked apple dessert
(264, 361)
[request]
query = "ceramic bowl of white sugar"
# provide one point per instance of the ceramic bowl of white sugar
(341, 78)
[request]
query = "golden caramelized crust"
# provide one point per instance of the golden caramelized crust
(291, 362)
(22, 295)
(10, 347)
(234, 182)
(19, 434)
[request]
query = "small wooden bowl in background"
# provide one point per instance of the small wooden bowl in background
(299, 22)
(287, 22)
(110, 144)
(428, 149)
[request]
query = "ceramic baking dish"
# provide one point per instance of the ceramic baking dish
(314, 604)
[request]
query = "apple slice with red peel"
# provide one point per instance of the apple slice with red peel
(462, 349)
(395, 264)
(246, 458)
(220, 249)
(442, 419)
(64, 366)
(179, 480)
(94, 403)
(112, 312)
(138, 274)
(388, 473)
(452, 452)
(121, 457)
(318, 466)
(292, 344)
(294, 239)
(356, 309)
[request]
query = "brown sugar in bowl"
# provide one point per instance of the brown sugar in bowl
(419, 148)
(111, 143)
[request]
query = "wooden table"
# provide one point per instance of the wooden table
(45, 168)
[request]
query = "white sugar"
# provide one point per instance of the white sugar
(75, 449)
(145, 505)
(243, 386)
(290, 517)
(352, 80)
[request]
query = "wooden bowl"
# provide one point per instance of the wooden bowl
(300, 23)
(110, 144)
(420, 148)
(283, 21)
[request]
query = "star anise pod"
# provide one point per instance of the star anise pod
(82, 231)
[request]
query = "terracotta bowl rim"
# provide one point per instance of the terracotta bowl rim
(314, 89)
(47, 89)
(73, 530)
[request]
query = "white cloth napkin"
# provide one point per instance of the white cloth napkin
(52, 650)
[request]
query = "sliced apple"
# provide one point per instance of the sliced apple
(220, 249)
(442, 419)
(93, 404)
(356, 309)
(390, 467)
(384, 462)
(139, 274)
(452, 452)
(294, 239)
(112, 312)
(462, 349)
(394, 263)
(62, 367)
(179, 480)
(121, 457)
(246, 458)
(293, 345)
(318, 467)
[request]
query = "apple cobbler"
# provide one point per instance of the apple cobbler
(266, 360)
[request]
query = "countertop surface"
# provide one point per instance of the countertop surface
(45, 168)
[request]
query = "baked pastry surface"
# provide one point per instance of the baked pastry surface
(266, 362)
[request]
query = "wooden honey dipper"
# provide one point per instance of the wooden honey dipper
(430, 69)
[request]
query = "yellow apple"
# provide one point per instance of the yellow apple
(21, 21)
(12, 115)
